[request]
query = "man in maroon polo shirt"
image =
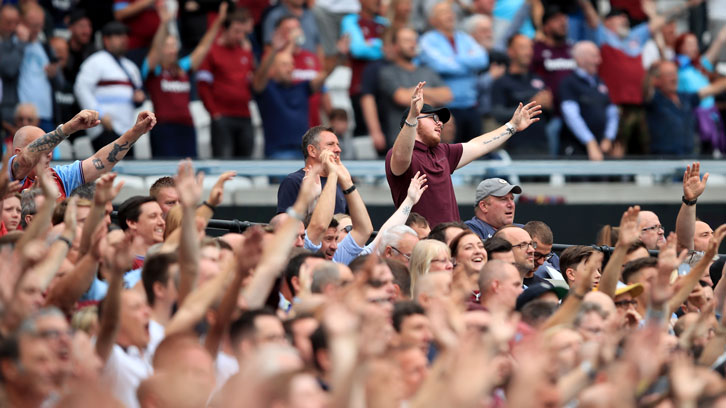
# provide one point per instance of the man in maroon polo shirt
(418, 147)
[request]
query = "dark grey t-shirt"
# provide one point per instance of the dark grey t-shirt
(393, 77)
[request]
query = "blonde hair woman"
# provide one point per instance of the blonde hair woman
(429, 255)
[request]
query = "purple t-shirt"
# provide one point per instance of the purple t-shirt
(438, 202)
(553, 64)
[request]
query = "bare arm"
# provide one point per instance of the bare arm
(714, 88)
(716, 46)
(104, 160)
(361, 221)
(583, 283)
(628, 235)
(325, 207)
(523, 117)
(438, 96)
(118, 258)
(30, 155)
(153, 58)
(189, 189)
(691, 280)
(403, 146)
(591, 17)
(49, 266)
(201, 50)
(132, 9)
(42, 218)
(274, 257)
(415, 190)
(693, 187)
(262, 75)
(64, 293)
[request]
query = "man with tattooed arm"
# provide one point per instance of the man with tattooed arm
(32, 146)
(418, 148)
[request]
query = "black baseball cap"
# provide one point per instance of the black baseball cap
(76, 15)
(538, 289)
(443, 113)
(114, 28)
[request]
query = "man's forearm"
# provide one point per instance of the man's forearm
(324, 210)
(686, 226)
(188, 253)
(403, 149)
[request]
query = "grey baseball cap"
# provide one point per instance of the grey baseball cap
(496, 187)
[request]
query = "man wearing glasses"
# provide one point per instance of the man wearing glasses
(523, 248)
(418, 147)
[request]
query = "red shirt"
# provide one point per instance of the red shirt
(623, 76)
(169, 93)
(142, 26)
(438, 203)
(224, 80)
(371, 29)
(307, 67)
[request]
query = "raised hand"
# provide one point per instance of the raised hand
(250, 252)
(327, 158)
(584, 276)
(217, 194)
(629, 232)
(668, 259)
(417, 100)
(525, 115)
(308, 190)
(84, 119)
(50, 189)
(105, 190)
(417, 187)
(715, 241)
(6, 187)
(188, 187)
(117, 252)
(693, 184)
(144, 123)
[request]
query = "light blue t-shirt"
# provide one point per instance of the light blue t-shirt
(691, 79)
(71, 175)
(33, 84)
(347, 250)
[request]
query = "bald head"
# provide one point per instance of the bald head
(587, 56)
(651, 230)
(25, 136)
(493, 270)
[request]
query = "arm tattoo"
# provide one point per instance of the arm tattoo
(497, 137)
(98, 164)
(117, 148)
(45, 143)
(406, 210)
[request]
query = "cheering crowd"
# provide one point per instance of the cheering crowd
(632, 79)
(310, 310)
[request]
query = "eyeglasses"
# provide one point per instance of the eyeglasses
(524, 245)
(434, 116)
(545, 257)
(626, 303)
(408, 257)
(653, 228)
(54, 334)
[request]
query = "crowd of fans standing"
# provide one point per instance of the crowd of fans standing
(632, 80)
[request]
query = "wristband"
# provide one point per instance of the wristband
(410, 124)
(294, 214)
(689, 203)
(59, 131)
(510, 128)
(350, 190)
(66, 240)
(210, 206)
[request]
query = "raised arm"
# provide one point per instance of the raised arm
(481, 145)
(691, 280)
(262, 75)
(276, 252)
(104, 160)
(189, 189)
(153, 58)
(48, 267)
(132, 9)
(415, 190)
(403, 146)
(118, 259)
(693, 187)
(325, 207)
(201, 50)
(29, 156)
(361, 221)
(42, 218)
(716, 46)
(248, 255)
(583, 284)
(591, 17)
(628, 235)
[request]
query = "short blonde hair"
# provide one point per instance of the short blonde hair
(173, 220)
(421, 256)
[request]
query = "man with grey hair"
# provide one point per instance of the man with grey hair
(328, 276)
(591, 117)
(30, 201)
(494, 207)
(397, 243)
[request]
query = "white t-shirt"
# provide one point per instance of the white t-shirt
(125, 369)
(225, 366)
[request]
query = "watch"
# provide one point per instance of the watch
(689, 203)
